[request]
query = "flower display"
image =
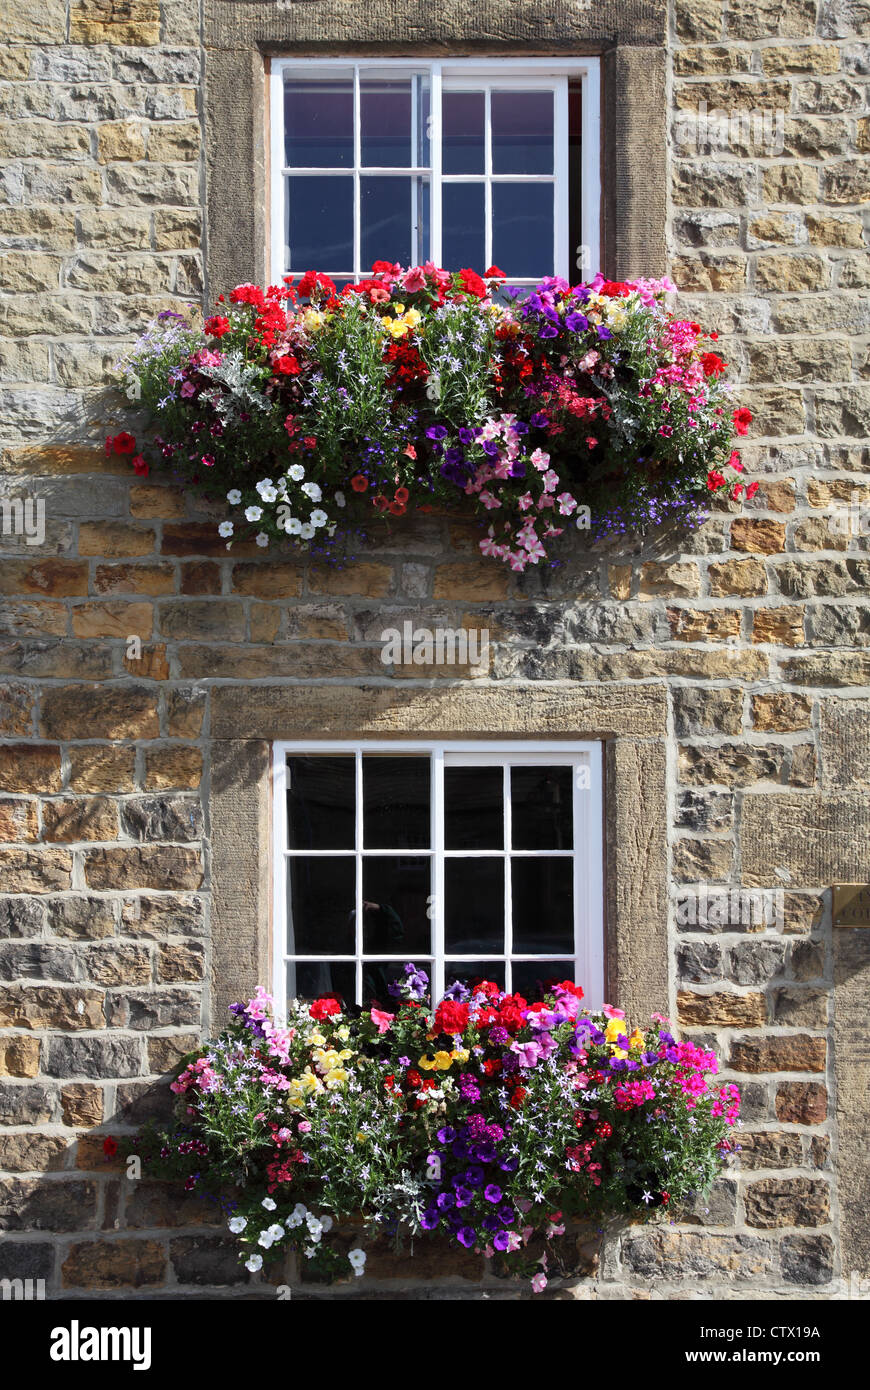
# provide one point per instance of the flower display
(490, 1121)
(312, 414)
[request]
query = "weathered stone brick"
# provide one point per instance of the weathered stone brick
(34, 871)
(108, 1055)
(699, 962)
(772, 1202)
(802, 1102)
(173, 768)
(19, 1055)
(21, 917)
(154, 1204)
(669, 580)
(55, 578)
(114, 1264)
(162, 818)
(162, 1008)
(96, 768)
(708, 812)
(807, 1260)
(79, 818)
(775, 274)
(112, 619)
(115, 963)
(113, 539)
(177, 963)
(180, 915)
(84, 712)
(824, 229)
(166, 1053)
(203, 620)
(150, 664)
(770, 1149)
(200, 577)
(707, 711)
(845, 181)
(166, 867)
(742, 578)
(18, 820)
(702, 860)
(31, 1153)
(16, 709)
(173, 142)
(177, 229)
(664, 1254)
(782, 626)
(798, 1052)
(28, 1204)
(82, 1105)
(757, 534)
(721, 1010)
(730, 765)
(781, 712)
(49, 1006)
(799, 1008)
(755, 962)
(807, 960)
(201, 1260)
(113, 229)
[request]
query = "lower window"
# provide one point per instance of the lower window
(468, 859)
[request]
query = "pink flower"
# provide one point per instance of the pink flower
(188, 389)
(539, 1283)
(381, 1020)
(413, 280)
(609, 1011)
(304, 1126)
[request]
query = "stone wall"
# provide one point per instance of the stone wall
(754, 630)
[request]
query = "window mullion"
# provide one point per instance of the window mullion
(357, 192)
(561, 251)
(358, 845)
(435, 163)
(487, 186)
(437, 904)
(508, 883)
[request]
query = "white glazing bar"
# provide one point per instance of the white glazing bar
(436, 906)
(357, 157)
(279, 886)
(487, 186)
(590, 166)
(278, 200)
(358, 838)
(561, 249)
(435, 125)
(508, 882)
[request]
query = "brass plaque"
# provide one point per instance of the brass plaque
(851, 905)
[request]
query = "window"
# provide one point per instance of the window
(468, 861)
(473, 163)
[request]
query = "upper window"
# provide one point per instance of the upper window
(467, 861)
(467, 164)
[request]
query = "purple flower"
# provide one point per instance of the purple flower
(502, 1240)
(464, 1196)
(445, 1200)
(490, 448)
(575, 322)
(490, 1222)
(404, 1061)
(539, 420)
(466, 1235)
(498, 1036)
(603, 331)
(506, 1215)
(466, 436)
(549, 330)
(492, 1193)
(436, 432)
(474, 1175)
(446, 1135)
(430, 1218)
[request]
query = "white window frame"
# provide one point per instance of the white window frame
(503, 73)
(585, 963)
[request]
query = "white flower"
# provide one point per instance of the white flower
(262, 538)
(293, 1220)
(234, 496)
(253, 1263)
(296, 472)
(225, 528)
(306, 531)
(265, 1240)
(312, 490)
(326, 1223)
(318, 517)
(292, 526)
(269, 1203)
(277, 1232)
(340, 499)
(237, 1224)
(357, 1259)
(300, 1210)
(253, 513)
(264, 484)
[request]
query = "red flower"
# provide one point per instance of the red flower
(359, 483)
(325, 1007)
(451, 1016)
(614, 289)
(494, 273)
(402, 495)
(122, 443)
(380, 502)
(248, 294)
(312, 280)
(140, 466)
(569, 987)
(472, 283)
(742, 419)
(288, 366)
(217, 326)
(518, 1097)
(712, 364)
(715, 480)
(414, 1079)
(384, 268)
(110, 1146)
(751, 491)
(397, 508)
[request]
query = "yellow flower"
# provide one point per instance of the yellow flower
(460, 1054)
(413, 317)
(636, 1039)
(443, 1060)
(361, 1137)
(317, 1039)
(342, 1033)
(335, 1078)
(426, 1063)
(345, 1053)
(615, 1028)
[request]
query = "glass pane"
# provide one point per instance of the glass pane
(320, 223)
(386, 206)
(542, 808)
(462, 132)
(396, 897)
(522, 228)
(472, 971)
(378, 975)
(321, 898)
(532, 978)
(543, 905)
(463, 240)
(474, 905)
(522, 132)
(320, 802)
(309, 979)
(473, 808)
(396, 805)
(385, 121)
(318, 121)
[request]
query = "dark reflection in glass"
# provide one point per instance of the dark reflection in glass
(462, 132)
(321, 894)
(378, 975)
(320, 803)
(385, 122)
(309, 979)
(463, 236)
(472, 971)
(474, 905)
(385, 219)
(532, 978)
(318, 119)
(522, 228)
(473, 808)
(396, 895)
(522, 132)
(542, 808)
(396, 803)
(320, 222)
(542, 893)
